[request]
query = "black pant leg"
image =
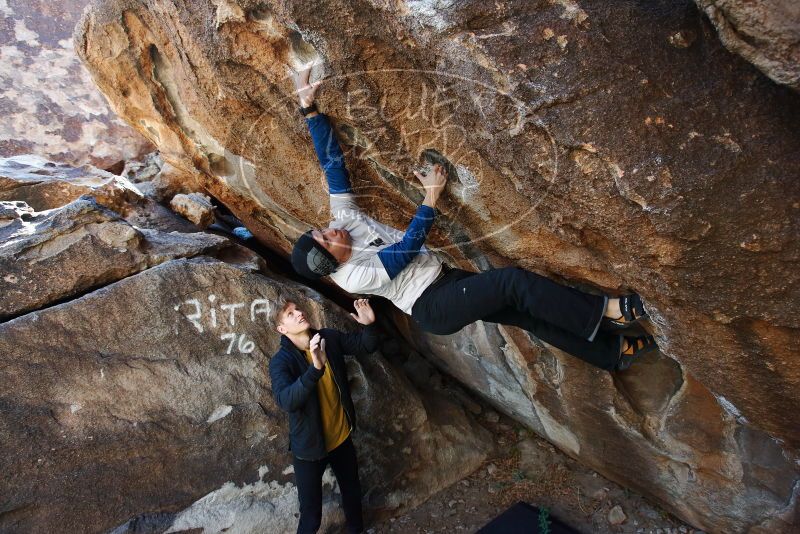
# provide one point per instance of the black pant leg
(463, 300)
(603, 352)
(308, 477)
(345, 467)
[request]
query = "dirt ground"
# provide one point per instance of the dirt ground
(547, 478)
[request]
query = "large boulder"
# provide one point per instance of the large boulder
(655, 428)
(615, 147)
(49, 105)
(45, 185)
(51, 256)
(122, 347)
(66, 230)
(137, 399)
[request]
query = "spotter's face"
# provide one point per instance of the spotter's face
(293, 320)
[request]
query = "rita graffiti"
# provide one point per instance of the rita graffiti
(228, 319)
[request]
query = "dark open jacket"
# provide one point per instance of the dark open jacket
(294, 386)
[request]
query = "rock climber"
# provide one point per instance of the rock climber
(363, 256)
(309, 381)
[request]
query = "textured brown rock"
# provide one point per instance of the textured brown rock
(158, 180)
(49, 105)
(145, 395)
(764, 32)
(616, 147)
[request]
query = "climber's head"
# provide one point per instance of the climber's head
(319, 252)
(289, 319)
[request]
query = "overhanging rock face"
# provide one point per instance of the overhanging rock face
(616, 147)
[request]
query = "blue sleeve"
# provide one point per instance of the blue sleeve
(395, 257)
(329, 153)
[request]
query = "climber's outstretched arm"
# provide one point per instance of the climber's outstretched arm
(330, 154)
(326, 145)
(396, 257)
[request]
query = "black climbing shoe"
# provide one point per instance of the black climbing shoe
(631, 348)
(632, 313)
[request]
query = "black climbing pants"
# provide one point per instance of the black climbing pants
(561, 316)
(308, 477)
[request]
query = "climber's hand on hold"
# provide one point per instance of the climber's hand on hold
(364, 313)
(306, 91)
(434, 182)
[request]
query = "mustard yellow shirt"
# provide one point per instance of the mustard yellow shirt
(335, 426)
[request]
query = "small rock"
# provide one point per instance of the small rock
(616, 516)
(196, 207)
(452, 503)
(600, 494)
(491, 469)
(682, 39)
(491, 416)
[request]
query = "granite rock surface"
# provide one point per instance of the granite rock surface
(613, 146)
